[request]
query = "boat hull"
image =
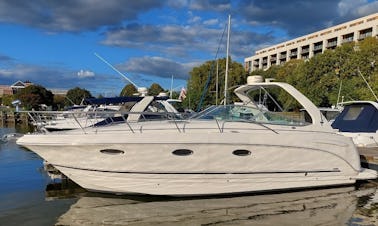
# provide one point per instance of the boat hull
(184, 164)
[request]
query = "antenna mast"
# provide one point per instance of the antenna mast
(228, 47)
(115, 69)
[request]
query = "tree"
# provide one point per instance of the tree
(33, 96)
(155, 89)
(7, 99)
(76, 96)
(59, 102)
(128, 90)
(202, 83)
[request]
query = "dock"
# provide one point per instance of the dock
(9, 117)
(369, 157)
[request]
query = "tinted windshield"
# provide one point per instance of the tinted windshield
(249, 114)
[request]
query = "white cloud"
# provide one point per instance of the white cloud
(85, 74)
(211, 22)
(347, 6)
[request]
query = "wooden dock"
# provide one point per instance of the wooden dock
(369, 157)
(8, 117)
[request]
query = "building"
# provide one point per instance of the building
(12, 89)
(315, 43)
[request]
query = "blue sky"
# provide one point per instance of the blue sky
(52, 42)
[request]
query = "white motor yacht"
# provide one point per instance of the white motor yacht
(226, 149)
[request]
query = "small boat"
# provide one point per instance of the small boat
(227, 149)
(359, 120)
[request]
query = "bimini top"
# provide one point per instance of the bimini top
(358, 116)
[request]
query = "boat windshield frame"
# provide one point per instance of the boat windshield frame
(244, 113)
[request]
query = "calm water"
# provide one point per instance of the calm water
(28, 196)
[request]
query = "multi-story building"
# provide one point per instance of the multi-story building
(315, 43)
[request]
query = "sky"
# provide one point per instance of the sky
(54, 43)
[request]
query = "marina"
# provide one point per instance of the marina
(285, 136)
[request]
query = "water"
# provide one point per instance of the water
(28, 197)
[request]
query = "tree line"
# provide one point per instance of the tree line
(37, 97)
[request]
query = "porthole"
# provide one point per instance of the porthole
(112, 151)
(241, 152)
(182, 152)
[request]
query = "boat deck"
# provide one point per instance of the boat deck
(369, 157)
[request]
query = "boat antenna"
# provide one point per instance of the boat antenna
(227, 53)
(209, 74)
(115, 69)
(338, 95)
(371, 90)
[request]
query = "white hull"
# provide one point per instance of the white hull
(290, 160)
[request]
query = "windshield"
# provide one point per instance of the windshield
(250, 114)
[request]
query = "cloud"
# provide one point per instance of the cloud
(72, 16)
(211, 22)
(298, 18)
(356, 8)
(301, 17)
(186, 42)
(207, 5)
(5, 59)
(85, 73)
(157, 66)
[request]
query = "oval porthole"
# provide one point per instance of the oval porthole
(182, 152)
(241, 152)
(112, 151)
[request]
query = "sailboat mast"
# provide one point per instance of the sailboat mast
(227, 53)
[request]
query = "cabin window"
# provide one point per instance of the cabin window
(241, 152)
(182, 152)
(353, 112)
(112, 151)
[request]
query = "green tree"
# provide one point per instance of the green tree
(76, 96)
(33, 96)
(59, 102)
(6, 100)
(199, 77)
(155, 89)
(128, 90)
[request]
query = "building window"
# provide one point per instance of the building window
(365, 33)
(332, 43)
(348, 38)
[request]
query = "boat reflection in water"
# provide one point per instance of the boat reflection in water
(333, 206)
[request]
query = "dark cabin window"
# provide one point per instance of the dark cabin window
(241, 152)
(182, 152)
(112, 151)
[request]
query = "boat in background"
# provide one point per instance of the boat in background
(227, 149)
(100, 111)
(359, 120)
